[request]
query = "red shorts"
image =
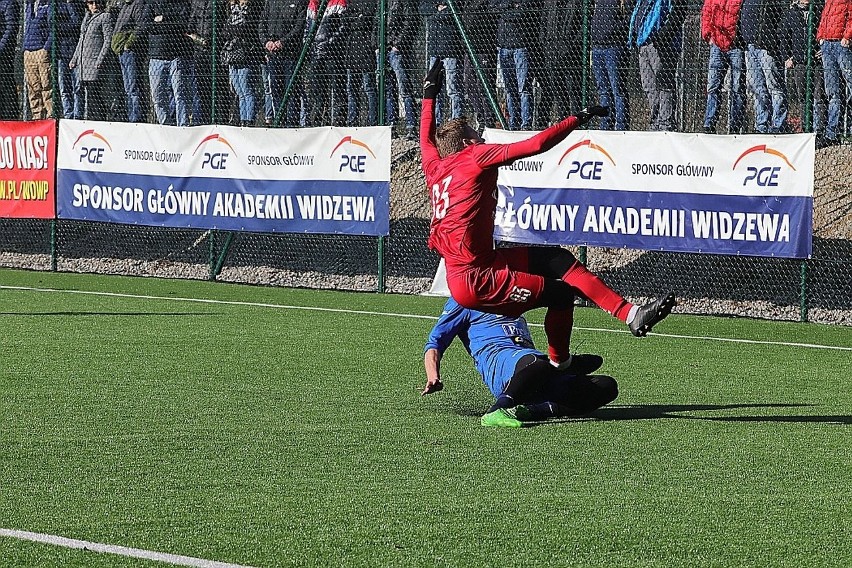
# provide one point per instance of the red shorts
(503, 288)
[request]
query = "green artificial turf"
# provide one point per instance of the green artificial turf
(267, 436)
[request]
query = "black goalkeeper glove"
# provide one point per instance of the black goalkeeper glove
(434, 80)
(587, 114)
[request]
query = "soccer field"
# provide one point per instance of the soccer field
(236, 425)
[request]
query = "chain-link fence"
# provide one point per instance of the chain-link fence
(724, 66)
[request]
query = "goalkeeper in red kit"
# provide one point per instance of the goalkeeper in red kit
(461, 177)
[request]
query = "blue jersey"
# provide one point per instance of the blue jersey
(495, 342)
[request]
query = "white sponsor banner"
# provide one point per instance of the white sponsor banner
(767, 165)
(358, 154)
(750, 195)
(317, 180)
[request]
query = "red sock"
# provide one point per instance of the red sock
(557, 327)
(597, 291)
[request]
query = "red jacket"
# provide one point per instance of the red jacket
(836, 21)
(720, 22)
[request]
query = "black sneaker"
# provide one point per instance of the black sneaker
(580, 364)
(651, 314)
(708, 130)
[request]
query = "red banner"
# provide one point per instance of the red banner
(28, 169)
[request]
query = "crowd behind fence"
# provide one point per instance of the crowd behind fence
(729, 66)
(721, 66)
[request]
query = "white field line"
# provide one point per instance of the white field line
(410, 316)
(119, 550)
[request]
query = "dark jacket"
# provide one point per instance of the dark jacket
(517, 26)
(360, 33)
(69, 16)
(608, 25)
(401, 27)
(8, 26)
(760, 22)
(480, 23)
(442, 34)
(129, 32)
(201, 22)
(167, 38)
(328, 39)
(561, 27)
(240, 48)
(37, 25)
(794, 34)
(284, 21)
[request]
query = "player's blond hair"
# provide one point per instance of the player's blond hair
(450, 136)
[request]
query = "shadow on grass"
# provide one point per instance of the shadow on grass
(656, 411)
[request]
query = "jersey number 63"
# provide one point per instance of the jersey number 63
(441, 198)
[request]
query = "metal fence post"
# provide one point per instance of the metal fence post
(803, 292)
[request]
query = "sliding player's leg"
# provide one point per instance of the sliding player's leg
(568, 395)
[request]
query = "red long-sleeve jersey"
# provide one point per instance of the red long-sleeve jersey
(463, 189)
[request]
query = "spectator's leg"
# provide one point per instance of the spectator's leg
(603, 85)
(268, 101)
(46, 81)
(454, 86)
(510, 84)
(180, 72)
(716, 67)
(736, 99)
(8, 102)
(844, 61)
(757, 82)
(833, 86)
(774, 76)
(368, 85)
(65, 82)
(614, 58)
(522, 70)
(158, 76)
(31, 78)
(666, 78)
(649, 66)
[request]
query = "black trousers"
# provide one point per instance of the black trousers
(574, 395)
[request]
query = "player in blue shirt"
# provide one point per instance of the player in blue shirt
(522, 378)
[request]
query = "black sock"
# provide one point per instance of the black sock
(503, 401)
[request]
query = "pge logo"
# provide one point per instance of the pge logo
(215, 160)
(764, 176)
(91, 152)
(589, 169)
(353, 162)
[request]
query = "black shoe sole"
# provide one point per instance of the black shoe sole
(654, 314)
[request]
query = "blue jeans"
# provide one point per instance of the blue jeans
(358, 82)
(766, 79)
(453, 82)
(280, 72)
(403, 89)
(130, 71)
(170, 82)
(515, 66)
(70, 90)
(719, 63)
(268, 103)
(836, 62)
(611, 91)
(243, 82)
